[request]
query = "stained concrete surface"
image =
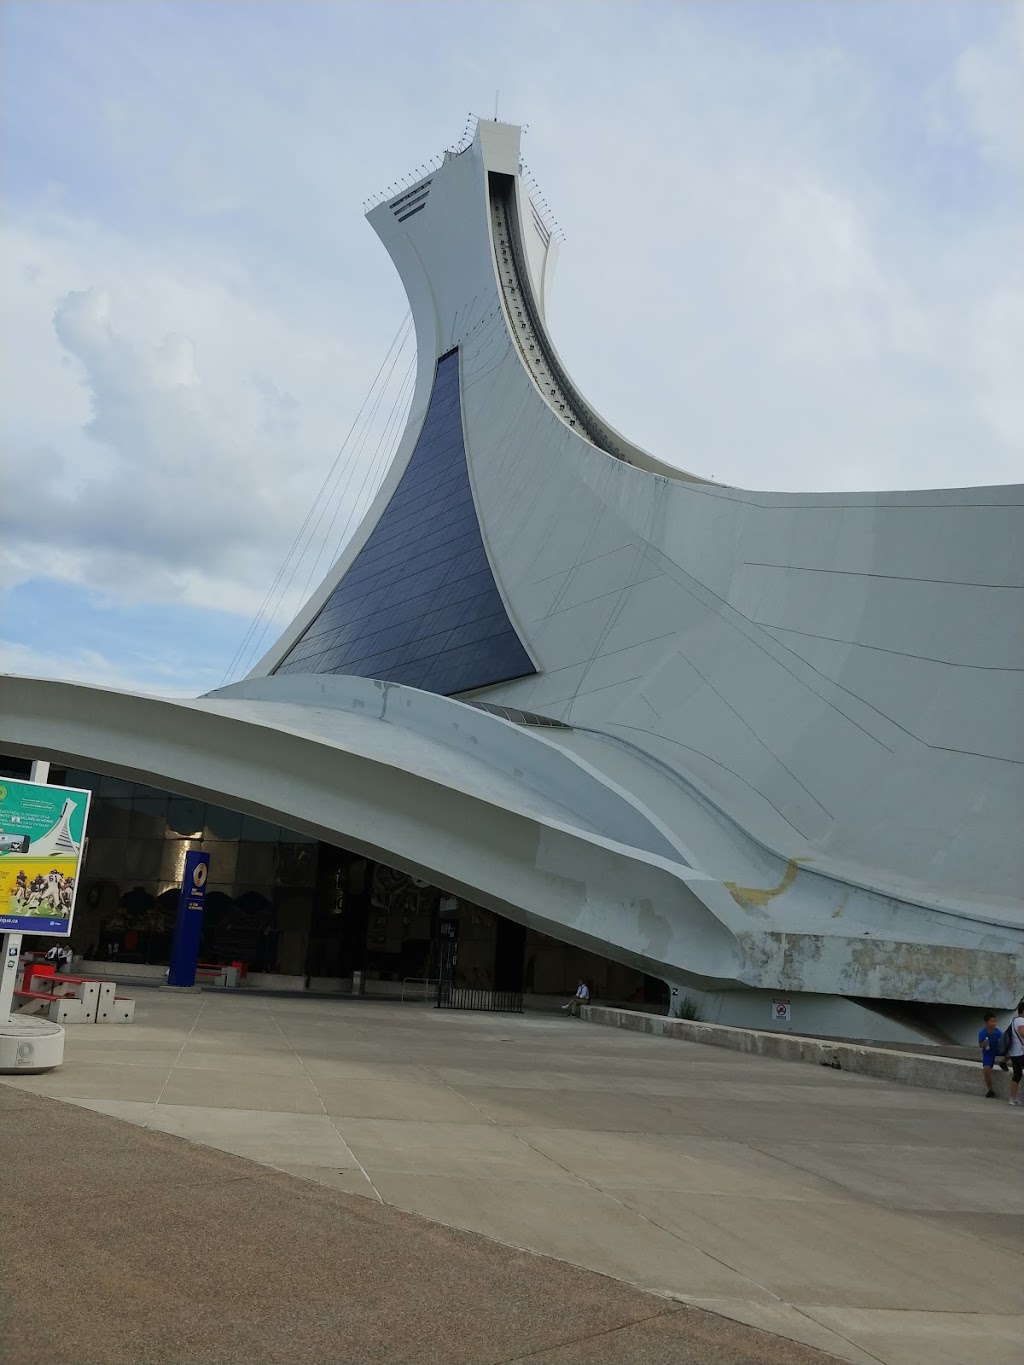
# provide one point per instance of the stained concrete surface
(126, 1247)
(858, 1216)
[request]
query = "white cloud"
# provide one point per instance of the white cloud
(792, 258)
(94, 668)
(987, 78)
(778, 304)
(148, 433)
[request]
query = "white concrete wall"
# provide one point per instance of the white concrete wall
(818, 1015)
(839, 673)
(891, 748)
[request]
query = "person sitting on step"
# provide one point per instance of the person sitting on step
(582, 997)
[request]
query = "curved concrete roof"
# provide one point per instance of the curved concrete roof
(464, 798)
(501, 814)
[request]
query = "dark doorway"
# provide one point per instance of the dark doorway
(337, 931)
(509, 950)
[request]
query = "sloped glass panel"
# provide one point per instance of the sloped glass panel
(419, 604)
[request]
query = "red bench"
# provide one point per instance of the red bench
(50, 998)
(45, 995)
(214, 969)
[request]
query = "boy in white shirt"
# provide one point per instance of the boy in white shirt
(581, 997)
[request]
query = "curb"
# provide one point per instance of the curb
(951, 1074)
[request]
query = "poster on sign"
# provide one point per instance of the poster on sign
(782, 1011)
(42, 834)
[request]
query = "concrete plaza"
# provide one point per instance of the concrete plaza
(861, 1218)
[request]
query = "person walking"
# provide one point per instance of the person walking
(1015, 1051)
(989, 1038)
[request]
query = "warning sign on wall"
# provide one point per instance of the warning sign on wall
(782, 1011)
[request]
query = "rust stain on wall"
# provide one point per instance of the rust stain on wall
(752, 897)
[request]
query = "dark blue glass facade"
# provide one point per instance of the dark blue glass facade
(419, 604)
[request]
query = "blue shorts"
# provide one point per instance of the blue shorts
(988, 1059)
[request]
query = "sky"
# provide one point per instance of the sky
(792, 260)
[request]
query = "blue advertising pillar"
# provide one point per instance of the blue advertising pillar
(189, 924)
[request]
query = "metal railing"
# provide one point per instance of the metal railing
(425, 981)
(471, 998)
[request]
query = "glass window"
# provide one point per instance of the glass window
(255, 829)
(422, 573)
(222, 824)
(104, 857)
(296, 864)
(148, 818)
(223, 860)
(256, 864)
(172, 860)
(107, 818)
(185, 818)
(142, 859)
(78, 777)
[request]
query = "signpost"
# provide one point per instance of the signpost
(189, 925)
(42, 834)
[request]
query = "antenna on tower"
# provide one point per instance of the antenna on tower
(496, 94)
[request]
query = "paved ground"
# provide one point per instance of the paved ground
(860, 1217)
(159, 1252)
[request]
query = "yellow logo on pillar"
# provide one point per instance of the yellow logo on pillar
(199, 875)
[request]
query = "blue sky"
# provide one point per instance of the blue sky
(792, 261)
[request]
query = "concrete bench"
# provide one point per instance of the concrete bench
(59, 1009)
(220, 975)
(97, 998)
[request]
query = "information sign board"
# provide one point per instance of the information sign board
(42, 834)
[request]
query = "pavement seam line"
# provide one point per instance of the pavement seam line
(646, 1218)
(170, 1069)
(591, 1336)
(855, 1344)
(320, 1100)
(605, 1194)
(580, 1180)
(856, 1197)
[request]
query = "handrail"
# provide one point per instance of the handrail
(425, 981)
(485, 999)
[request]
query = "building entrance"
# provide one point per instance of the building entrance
(491, 940)
(299, 912)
